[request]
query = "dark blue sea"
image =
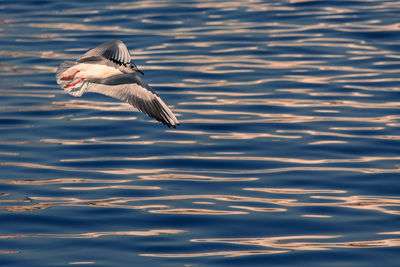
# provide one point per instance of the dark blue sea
(288, 152)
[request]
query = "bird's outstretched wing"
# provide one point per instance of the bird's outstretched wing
(115, 51)
(132, 89)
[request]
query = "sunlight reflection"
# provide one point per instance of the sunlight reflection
(258, 209)
(327, 142)
(296, 191)
(286, 243)
(155, 232)
(216, 253)
(315, 216)
(87, 104)
(81, 262)
(127, 140)
(10, 251)
(112, 187)
(192, 177)
(63, 181)
(390, 233)
(298, 103)
(238, 157)
(382, 204)
(197, 211)
(136, 171)
(376, 203)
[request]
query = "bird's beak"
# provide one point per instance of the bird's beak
(135, 68)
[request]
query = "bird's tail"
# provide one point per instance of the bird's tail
(66, 81)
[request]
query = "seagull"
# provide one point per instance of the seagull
(107, 69)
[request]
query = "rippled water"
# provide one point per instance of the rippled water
(287, 153)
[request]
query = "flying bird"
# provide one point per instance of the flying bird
(107, 69)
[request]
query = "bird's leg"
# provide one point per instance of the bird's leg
(69, 76)
(75, 83)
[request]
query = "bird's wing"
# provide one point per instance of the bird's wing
(132, 89)
(115, 51)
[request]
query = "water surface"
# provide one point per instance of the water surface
(287, 153)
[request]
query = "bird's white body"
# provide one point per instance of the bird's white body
(93, 71)
(107, 69)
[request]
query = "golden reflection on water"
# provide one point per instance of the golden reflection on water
(9, 252)
(193, 177)
(327, 142)
(296, 191)
(238, 157)
(63, 181)
(81, 262)
(283, 244)
(258, 209)
(299, 103)
(114, 141)
(81, 27)
(250, 117)
(198, 211)
(216, 253)
(377, 203)
(110, 171)
(244, 136)
(154, 232)
(137, 171)
(316, 216)
(317, 197)
(87, 104)
(390, 233)
(111, 118)
(286, 242)
(112, 187)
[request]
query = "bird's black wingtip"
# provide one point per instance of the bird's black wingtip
(171, 125)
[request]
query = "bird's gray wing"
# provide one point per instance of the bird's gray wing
(115, 51)
(132, 89)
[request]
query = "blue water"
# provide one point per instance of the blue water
(287, 155)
